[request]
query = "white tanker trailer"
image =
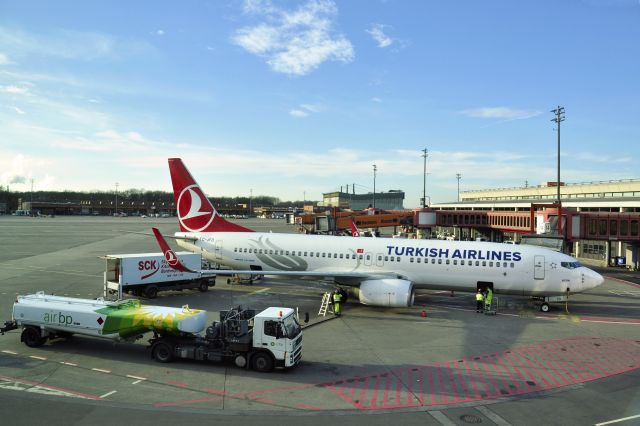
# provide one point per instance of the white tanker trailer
(265, 340)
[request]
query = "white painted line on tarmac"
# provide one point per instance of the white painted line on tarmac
(492, 416)
(101, 370)
(41, 358)
(624, 419)
(260, 291)
(107, 394)
(136, 377)
(68, 363)
(441, 418)
(9, 352)
(136, 382)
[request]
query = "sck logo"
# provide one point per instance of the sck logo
(190, 204)
(148, 265)
(145, 265)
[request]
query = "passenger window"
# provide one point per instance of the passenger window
(462, 262)
(340, 255)
(448, 261)
(353, 256)
(439, 261)
(411, 260)
(504, 264)
(419, 260)
(433, 261)
(477, 263)
(491, 264)
(398, 259)
(287, 252)
(305, 253)
(512, 264)
(235, 250)
(484, 263)
(335, 255)
(386, 258)
(360, 257)
(455, 261)
(497, 264)
(324, 254)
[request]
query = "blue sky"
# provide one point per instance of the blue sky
(297, 98)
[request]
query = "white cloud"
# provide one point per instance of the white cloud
(379, 36)
(17, 110)
(14, 90)
(303, 110)
(160, 32)
(294, 42)
(504, 113)
(4, 60)
(376, 100)
(68, 44)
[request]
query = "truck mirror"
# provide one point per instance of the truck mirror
(306, 317)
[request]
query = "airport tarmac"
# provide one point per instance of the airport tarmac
(438, 362)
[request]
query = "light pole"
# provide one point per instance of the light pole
(375, 169)
(425, 154)
(458, 176)
(117, 198)
(559, 118)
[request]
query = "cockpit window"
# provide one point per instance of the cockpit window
(571, 265)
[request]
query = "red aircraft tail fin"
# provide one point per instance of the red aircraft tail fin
(355, 232)
(195, 211)
(169, 254)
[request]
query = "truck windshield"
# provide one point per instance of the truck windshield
(291, 326)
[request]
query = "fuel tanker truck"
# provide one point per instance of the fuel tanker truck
(264, 340)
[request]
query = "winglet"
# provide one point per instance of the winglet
(169, 254)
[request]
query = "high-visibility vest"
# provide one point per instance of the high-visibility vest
(337, 298)
(479, 297)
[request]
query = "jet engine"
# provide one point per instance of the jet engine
(389, 292)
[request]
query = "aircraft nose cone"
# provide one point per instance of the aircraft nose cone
(592, 279)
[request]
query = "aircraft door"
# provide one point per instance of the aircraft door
(367, 259)
(379, 259)
(218, 249)
(538, 267)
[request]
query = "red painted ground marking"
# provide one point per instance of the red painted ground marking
(54, 388)
(519, 371)
(308, 407)
(217, 391)
(181, 385)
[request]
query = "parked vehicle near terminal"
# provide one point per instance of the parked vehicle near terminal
(271, 338)
(146, 274)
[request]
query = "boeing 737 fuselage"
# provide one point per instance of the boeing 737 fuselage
(381, 271)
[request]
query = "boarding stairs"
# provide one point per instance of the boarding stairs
(324, 306)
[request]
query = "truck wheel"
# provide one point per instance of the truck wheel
(204, 286)
(151, 291)
(262, 362)
(162, 352)
(240, 361)
(31, 337)
(544, 307)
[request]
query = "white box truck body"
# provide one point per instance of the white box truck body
(144, 274)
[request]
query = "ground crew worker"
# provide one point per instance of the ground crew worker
(488, 298)
(479, 301)
(337, 299)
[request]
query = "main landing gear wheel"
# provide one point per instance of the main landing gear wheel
(544, 307)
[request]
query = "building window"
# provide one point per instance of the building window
(602, 227)
(634, 228)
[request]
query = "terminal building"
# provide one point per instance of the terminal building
(599, 220)
(392, 200)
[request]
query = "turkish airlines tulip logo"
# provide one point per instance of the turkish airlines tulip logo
(194, 210)
(171, 257)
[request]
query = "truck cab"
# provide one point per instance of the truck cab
(278, 331)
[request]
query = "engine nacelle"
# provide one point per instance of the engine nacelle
(389, 292)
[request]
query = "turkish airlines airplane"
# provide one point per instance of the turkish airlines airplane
(377, 271)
